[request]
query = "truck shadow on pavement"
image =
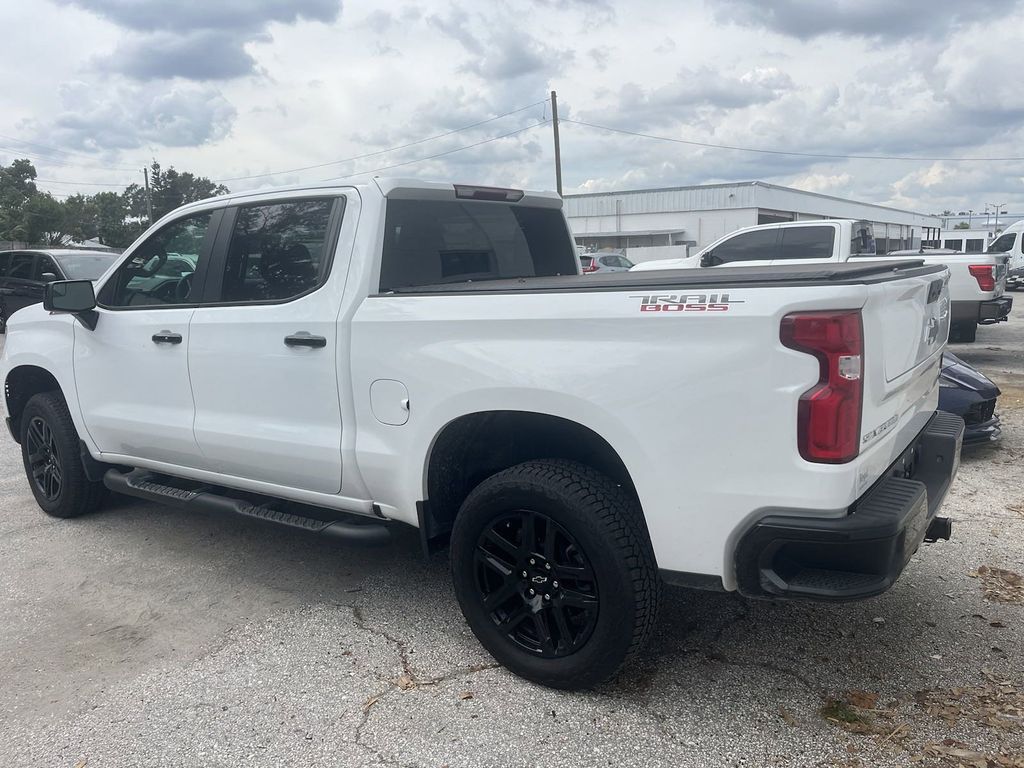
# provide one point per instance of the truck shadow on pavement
(246, 567)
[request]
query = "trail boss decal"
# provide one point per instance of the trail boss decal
(685, 302)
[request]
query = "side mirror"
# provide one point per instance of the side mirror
(73, 297)
(708, 259)
(48, 277)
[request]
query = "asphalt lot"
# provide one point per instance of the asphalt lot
(144, 635)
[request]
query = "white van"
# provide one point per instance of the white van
(1011, 242)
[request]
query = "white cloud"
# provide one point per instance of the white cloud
(301, 84)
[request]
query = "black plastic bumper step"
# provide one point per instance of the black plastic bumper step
(152, 487)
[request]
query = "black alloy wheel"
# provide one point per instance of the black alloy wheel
(51, 451)
(537, 584)
(44, 460)
(555, 573)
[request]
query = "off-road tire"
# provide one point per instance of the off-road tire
(77, 494)
(607, 522)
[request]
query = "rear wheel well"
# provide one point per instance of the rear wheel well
(476, 446)
(22, 383)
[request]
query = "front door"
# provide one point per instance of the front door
(132, 369)
(264, 348)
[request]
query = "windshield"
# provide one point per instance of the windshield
(85, 266)
(1003, 243)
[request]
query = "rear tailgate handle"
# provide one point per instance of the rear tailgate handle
(167, 337)
(303, 339)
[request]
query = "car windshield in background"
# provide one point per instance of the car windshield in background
(1003, 243)
(85, 266)
(440, 241)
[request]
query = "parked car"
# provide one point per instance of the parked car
(604, 261)
(976, 285)
(1011, 243)
(971, 395)
(23, 274)
(427, 354)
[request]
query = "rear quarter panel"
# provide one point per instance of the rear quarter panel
(701, 406)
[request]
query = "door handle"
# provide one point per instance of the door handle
(167, 337)
(303, 339)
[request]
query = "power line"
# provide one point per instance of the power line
(82, 183)
(443, 154)
(385, 151)
(793, 154)
(46, 148)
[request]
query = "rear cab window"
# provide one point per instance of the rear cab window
(427, 242)
(807, 242)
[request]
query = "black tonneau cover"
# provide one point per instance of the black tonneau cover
(847, 273)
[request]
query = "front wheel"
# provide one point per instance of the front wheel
(554, 571)
(53, 462)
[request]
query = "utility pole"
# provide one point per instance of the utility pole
(149, 197)
(558, 149)
(997, 206)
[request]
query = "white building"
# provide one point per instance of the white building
(662, 223)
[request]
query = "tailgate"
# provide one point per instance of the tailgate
(906, 323)
(914, 314)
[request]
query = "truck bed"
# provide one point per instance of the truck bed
(849, 273)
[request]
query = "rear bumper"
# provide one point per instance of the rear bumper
(862, 553)
(995, 311)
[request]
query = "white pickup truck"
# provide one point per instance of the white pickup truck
(341, 359)
(977, 281)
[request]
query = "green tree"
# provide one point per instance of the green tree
(80, 217)
(44, 222)
(169, 189)
(112, 225)
(962, 225)
(17, 185)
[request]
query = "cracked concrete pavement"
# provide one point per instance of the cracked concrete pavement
(156, 636)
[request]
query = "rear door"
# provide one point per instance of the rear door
(264, 349)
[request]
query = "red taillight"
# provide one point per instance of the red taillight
(828, 417)
(984, 274)
(591, 267)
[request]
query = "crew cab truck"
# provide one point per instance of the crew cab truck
(343, 359)
(977, 280)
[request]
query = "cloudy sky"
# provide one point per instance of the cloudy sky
(257, 92)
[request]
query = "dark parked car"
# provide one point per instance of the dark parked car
(968, 393)
(23, 274)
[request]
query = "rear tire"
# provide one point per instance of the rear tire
(583, 545)
(50, 450)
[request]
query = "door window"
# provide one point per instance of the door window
(758, 245)
(278, 251)
(807, 243)
(5, 263)
(22, 265)
(160, 272)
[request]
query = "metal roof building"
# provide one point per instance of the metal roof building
(665, 220)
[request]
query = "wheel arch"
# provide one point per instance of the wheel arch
(474, 446)
(22, 382)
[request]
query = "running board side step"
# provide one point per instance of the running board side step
(146, 485)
